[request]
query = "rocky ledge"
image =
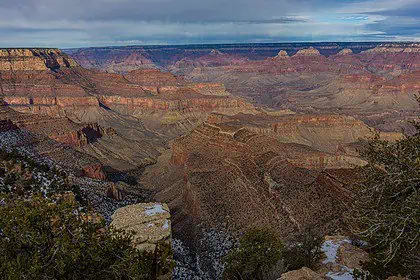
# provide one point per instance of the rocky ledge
(34, 59)
(150, 223)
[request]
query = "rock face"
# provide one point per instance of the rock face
(150, 222)
(323, 132)
(72, 91)
(89, 133)
(114, 192)
(301, 274)
(34, 59)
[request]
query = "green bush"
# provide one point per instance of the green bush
(45, 239)
(259, 252)
(304, 250)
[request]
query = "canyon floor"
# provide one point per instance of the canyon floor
(231, 137)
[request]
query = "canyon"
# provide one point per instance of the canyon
(374, 82)
(230, 137)
(140, 111)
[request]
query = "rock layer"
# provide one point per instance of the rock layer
(33, 60)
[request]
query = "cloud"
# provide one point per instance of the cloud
(123, 22)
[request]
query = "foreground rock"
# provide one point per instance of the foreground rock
(150, 222)
(302, 274)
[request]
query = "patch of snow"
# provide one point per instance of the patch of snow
(330, 249)
(150, 225)
(154, 210)
(166, 225)
(348, 275)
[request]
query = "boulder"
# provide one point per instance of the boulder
(302, 274)
(150, 223)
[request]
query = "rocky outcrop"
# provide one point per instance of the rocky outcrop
(282, 54)
(89, 133)
(383, 49)
(34, 60)
(311, 51)
(149, 221)
(34, 135)
(302, 274)
(94, 171)
(76, 107)
(79, 94)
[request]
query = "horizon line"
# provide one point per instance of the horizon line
(219, 44)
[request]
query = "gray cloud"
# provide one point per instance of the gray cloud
(110, 22)
(159, 10)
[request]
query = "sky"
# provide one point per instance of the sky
(88, 23)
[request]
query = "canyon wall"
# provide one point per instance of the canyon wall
(149, 106)
(225, 176)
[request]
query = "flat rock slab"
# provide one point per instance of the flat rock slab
(302, 274)
(150, 223)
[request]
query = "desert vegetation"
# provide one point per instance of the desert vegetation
(47, 231)
(386, 210)
(261, 254)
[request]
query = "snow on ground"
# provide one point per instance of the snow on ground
(330, 249)
(154, 210)
(166, 225)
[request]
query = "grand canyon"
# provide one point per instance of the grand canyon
(229, 137)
